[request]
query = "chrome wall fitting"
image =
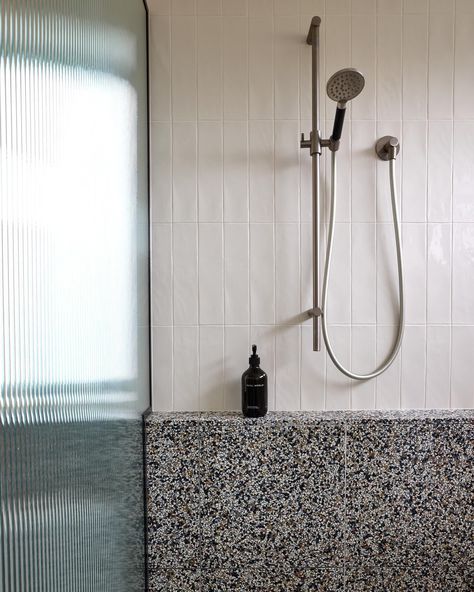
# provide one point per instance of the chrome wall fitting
(387, 148)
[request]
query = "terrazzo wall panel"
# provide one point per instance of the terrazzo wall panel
(231, 201)
(353, 501)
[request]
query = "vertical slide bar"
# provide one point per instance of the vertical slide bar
(313, 40)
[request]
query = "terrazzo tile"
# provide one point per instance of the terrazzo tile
(170, 580)
(273, 493)
(173, 493)
(438, 577)
(401, 508)
(273, 581)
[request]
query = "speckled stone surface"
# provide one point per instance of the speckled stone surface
(329, 501)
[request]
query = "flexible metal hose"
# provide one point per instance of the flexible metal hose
(327, 267)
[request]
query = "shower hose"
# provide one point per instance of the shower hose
(327, 268)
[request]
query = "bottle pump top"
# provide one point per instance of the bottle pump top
(254, 360)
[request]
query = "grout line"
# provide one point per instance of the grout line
(223, 227)
(198, 225)
(376, 101)
(402, 171)
(452, 215)
(170, 24)
(427, 143)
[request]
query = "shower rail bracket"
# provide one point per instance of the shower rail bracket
(315, 312)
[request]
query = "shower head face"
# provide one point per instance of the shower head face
(345, 85)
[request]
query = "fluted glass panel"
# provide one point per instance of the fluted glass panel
(74, 294)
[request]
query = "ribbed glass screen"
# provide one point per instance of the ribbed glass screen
(74, 294)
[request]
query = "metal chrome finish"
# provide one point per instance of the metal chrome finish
(314, 144)
(387, 148)
(345, 85)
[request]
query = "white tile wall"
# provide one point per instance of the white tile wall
(231, 201)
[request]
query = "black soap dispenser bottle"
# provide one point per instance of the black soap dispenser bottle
(254, 388)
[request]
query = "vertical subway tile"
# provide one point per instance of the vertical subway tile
(209, 67)
(343, 177)
(236, 198)
(236, 353)
(389, 66)
(211, 368)
(186, 373)
(414, 255)
(338, 386)
(286, 172)
(313, 372)
(261, 8)
(414, 171)
(286, 67)
(413, 367)
(306, 195)
(464, 73)
(463, 273)
(338, 7)
(363, 161)
(159, 7)
(364, 59)
(312, 7)
(160, 68)
(235, 67)
(440, 158)
(446, 6)
(162, 369)
(160, 172)
(364, 6)
(264, 338)
(363, 274)
(441, 65)
(184, 172)
(306, 262)
(438, 370)
(183, 68)
(209, 7)
(463, 172)
(210, 171)
(389, 6)
(211, 297)
(388, 383)
(415, 6)
(464, 6)
(339, 302)
(439, 273)
(261, 171)
(386, 276)
(286, 7)
(260, 68)
(185, 274)
(161, 271)
(262, 274)
(462, 393)
(183, 7)
(363, 357)
(234, 7)
(415, 65)
(236, 274)
(287, 367)
(287, 280)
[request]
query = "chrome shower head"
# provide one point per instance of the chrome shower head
(345, 85)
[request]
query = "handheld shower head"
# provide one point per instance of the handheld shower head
(343, 86)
